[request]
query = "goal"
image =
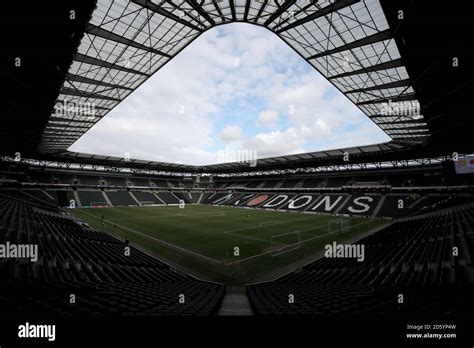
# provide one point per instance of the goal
(339, 226)
(285, 242)
(147, 203)
(98, 204)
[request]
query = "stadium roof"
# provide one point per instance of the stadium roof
(370, 53)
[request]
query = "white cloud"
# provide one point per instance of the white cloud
(275, 143)
(318, 130)
(269, 79)
(268, 118)
(231, 133)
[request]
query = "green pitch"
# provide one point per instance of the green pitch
(229, 245)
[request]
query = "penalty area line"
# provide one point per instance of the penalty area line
(290, 245)
(286, 251)
(269, 223)
(248, 237)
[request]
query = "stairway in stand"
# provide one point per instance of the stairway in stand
(235, 302)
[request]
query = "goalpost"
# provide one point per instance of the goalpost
(339, 226)
(285, 242)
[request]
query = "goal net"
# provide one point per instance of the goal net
(285, 242)
(98, 204)
(339, 226)
(147, 203)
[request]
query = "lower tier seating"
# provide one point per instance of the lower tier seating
(75, 259)
(120, 198)
(414, 257)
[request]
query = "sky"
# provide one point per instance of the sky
(236, 89)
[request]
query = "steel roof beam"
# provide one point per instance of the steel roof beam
(108, 35)
(371, 39)
(404, 97)
(420, 121)
(216, 6)
(232, 9)
(382, 66)
(404, 128)
(96, 107)
(158, 9)
(63, 119)
(53, 125)
(260, 10)
(395, 84)
(77, 93)
(82, 79)
(247, 8)
(198, 8)
(82, 58)
(284, 7)
(320, 13)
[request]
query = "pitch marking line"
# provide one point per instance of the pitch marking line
(286, 245)
(271, 222)
(248, 237)
(159, 240)
(303, 241)
(285, 251)
(231, 232)
(276, 223)
(268, 241)
(167, 216)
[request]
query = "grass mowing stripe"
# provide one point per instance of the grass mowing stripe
(156, 239)
(168, 216)
(195, 237)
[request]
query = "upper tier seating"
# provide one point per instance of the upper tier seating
(186, 183)
(159, 183)
(254, 183)
(89, 180)
(312, 182)
(64, 178)
(41, 178)
(271, 183)
(140, 182)
(116, 181)
(290, 183)
(337, 181)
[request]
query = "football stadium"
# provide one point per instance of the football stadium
(120, 222)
